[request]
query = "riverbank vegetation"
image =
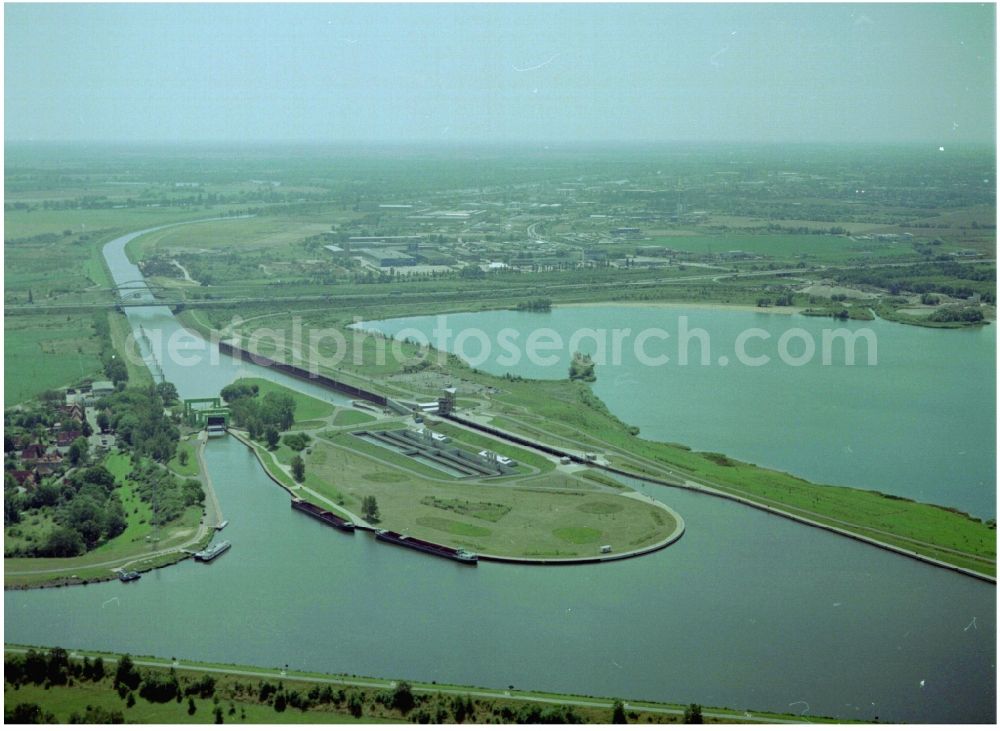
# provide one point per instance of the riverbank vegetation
(57, 686)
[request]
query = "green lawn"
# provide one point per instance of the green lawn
(350, 417)
(550, 515)
(190, 448)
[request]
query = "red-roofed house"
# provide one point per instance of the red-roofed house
(32, 453)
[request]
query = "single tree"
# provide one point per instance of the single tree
(167, 391)
(692, 714)
(271, 436)
(182, 457)
(191, 707)
(402, 697)
(103, 422)
(78, 451)
(298, 468)
(618, 713)
(369, 509)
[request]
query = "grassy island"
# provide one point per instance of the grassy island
(540, 509)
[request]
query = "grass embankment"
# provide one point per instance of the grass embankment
(572, 412)
(568, 414)
(138, 539)
(336, 699)
(138, 372)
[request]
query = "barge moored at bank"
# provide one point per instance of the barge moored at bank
(321, 514)
(435, 549)
(213, 552)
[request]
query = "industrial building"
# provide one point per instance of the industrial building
(388, 257)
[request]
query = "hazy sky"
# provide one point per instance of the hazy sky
(333, 73)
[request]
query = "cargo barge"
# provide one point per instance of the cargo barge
(212, 552)
(455, 554)
(324, 515)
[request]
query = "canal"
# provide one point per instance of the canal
(747, 611)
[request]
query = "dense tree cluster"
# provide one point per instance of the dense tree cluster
(255, 414)
(137, 415)
(942, 277)
(54, 667)
(86, 511)
(957, 314)
(538, 304)
(581, 368)
(297, 441)
(168, 495)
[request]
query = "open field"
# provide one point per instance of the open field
(827, 249)
(546, 517)
(47, 351)
(275, 234)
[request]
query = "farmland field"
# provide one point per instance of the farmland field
(47, 351)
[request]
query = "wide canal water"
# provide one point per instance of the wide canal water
(747, 610)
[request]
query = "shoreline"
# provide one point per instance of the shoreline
(772, 310)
